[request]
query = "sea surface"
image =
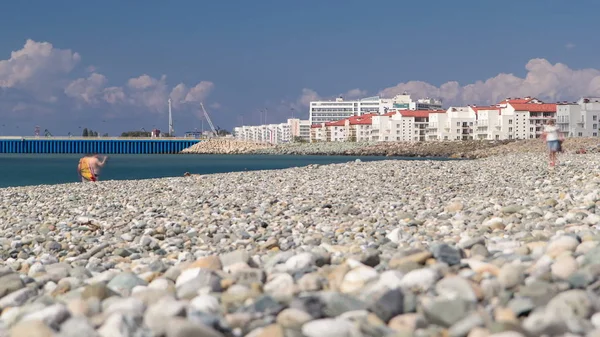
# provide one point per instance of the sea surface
(42, 169)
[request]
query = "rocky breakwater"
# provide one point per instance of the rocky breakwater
(224, 146)
(455, 149)
(319, 148)
(570, 145)
(493, 247)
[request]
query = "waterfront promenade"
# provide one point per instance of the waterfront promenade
(107, 145)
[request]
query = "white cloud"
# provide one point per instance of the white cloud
(114, 95)
(36, 61)
(181, 94)
(354, 94)
(41, 73)
(87, 89)
(544, 80)
(148, 92)
(144, 91)
(309, 95)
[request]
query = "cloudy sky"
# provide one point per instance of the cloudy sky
(111, 65)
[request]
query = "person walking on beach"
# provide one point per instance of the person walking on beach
(553, 140)
(89, 167)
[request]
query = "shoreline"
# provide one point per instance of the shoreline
(146, 179)
(321, 250)
(16, 170)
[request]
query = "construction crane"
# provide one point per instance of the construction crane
(47, 133)
(212, 127)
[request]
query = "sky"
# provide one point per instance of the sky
(111, 65)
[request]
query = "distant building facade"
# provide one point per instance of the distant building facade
(293, 130)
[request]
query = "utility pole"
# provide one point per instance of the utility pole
(171, 131)
(266, 110)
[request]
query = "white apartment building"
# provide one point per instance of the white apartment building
(405, 102)
(580, 119)
(457, 123)
(318, 133)
(331, 111)
(402, 125)
(274, 133)
(354, 129)
(487, 125)
(525, 120)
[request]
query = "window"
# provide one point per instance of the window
(595, 126)
(509, 129)
(580, 134)
(457, 130)
(594, 118)
(595, 134)
(510, 121)
(530, 129)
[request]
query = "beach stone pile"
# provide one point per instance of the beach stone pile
(318, 148)
(570, 145)
(467, 149)
(224, 146)
(454, 148)
(502, 246)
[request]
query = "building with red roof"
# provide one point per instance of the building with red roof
(456, 123)
(402, 125)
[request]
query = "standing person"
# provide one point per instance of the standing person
(89, 167)
(553, 140)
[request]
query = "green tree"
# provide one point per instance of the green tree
(138, 134)
(85, 132)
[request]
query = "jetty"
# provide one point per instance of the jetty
(106, 145)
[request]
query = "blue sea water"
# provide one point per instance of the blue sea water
(41, 169)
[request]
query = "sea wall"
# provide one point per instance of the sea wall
(100, 145)
(387, 248)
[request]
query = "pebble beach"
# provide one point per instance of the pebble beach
(501, 246)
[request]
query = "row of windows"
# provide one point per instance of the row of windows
(331, 110)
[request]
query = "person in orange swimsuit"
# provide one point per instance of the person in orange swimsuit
(89, 167)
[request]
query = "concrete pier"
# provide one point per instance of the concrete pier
(95, 145)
